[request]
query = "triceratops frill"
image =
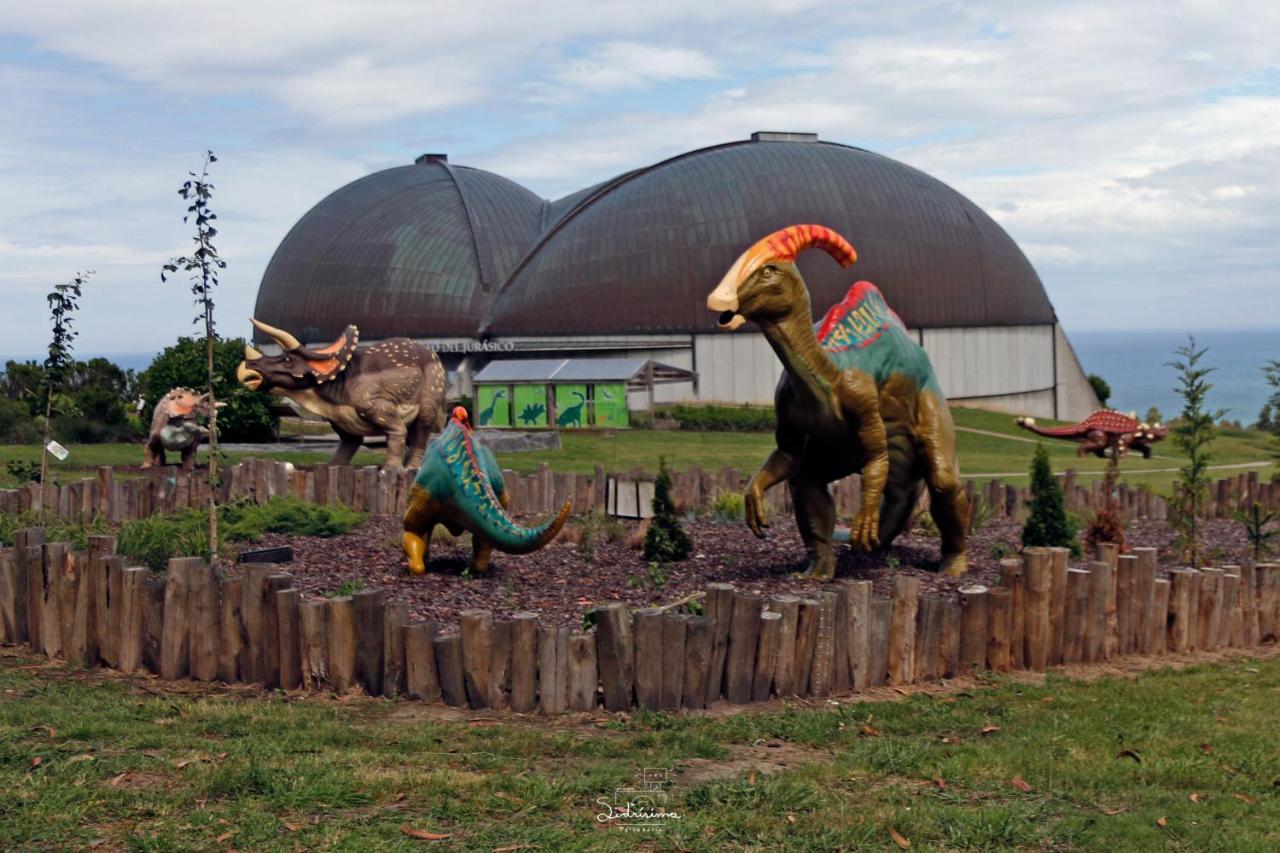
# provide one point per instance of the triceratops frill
(461, 487)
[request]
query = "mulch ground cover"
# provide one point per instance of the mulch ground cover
(564, 580)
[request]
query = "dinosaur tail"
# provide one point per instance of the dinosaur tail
(1051, 432)
(493, 523)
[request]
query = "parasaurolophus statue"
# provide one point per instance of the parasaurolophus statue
(394, 388)
(461, 487)
(858, 395)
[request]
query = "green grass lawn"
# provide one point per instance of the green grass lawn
(1181, 760)
(981, 455)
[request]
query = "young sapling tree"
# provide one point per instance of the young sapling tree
(1193, 432)
(64, 301)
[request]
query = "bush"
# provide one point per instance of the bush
(725, 418)
(1100, 387)
(153, 541)
(57, 529)
(247, 415)
(1047, 524)
(1105, 526)
(730, 506)
(665, 541)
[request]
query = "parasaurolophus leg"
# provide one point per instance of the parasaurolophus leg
(816, 519)
(948, 503)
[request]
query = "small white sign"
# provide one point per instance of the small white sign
(58, 450)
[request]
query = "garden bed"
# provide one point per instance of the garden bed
(564, 580)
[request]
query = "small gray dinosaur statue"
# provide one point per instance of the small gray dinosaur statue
(175, 427)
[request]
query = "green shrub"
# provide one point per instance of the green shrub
(665, 541)
(730, 506)
(725, 418)
(57, 529)
(1047, 524)
(152, 541)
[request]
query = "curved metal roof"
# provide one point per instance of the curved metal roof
(440, 250)
(408, 251)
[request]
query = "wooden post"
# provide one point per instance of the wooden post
(859, 635)
(949, 642)
(110, 602)
(524, 662)
(53, 555)
(824, 650)
(204, 613)
(928, 638)
(583, 677)
(1076, 616)
(1249, 604)
(270, 630)
(999, 629)
(229, 629)
(152, 622)
(500, 666)
(129, 642)
(553, 668)
(1058, 562)
(477, 654)
(766, 655)
(840, 666)
(1268, 578)
(394, 617)
(1013, 578)
(719, 607)
(613, 654)
(1206, 629)
(1144, 578)
(252, 657)
(1226, 617)
(1126, 581)
(1038, 586)
(744, 637)
(973, 629)
(1184, 588)
(175, 636)
(13, 598)
(784, 676)
(313, 623)
(342, 643)
(647, 628)
(806, 641)
(68, 592)
(1098, 603)
(902, 629)
(370, 617)
(1158, 623)
(289, 632)
(421, 679)
(449, 665)
(697, 657)
(881, 618)
(674, 631)
(1108, 553)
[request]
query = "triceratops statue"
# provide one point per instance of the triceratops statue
(174, 427)
(460, 486)
(394, 388)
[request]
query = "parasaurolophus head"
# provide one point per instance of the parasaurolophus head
(764, 284)
(297, 367)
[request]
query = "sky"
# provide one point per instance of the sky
(1131, 149)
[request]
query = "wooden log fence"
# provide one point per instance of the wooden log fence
(169, 489)
(258, 629)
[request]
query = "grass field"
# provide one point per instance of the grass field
(1007, 453)
(1168, 760)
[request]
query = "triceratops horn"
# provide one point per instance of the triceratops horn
(250, 353)
(283, 338)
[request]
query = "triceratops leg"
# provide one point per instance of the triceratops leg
(348, 444)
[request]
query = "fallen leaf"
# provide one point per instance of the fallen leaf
(292, 827)
(869, 730)
(35, 762)
(96, 843)
(1021, 784)
(1206, 748)
(949, 739)
(791, 818)
(1162, 821)
(1246, 799)
(1195, 798)
(751, 780)
(78, 758)
(223, 837)
(937, 780)
(117, 781)
(1129, 753)
(986, 730)
(1047, 699)
(422, 834)
(899, 839)
(1110, 811)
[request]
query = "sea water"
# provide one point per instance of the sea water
(1135, 365)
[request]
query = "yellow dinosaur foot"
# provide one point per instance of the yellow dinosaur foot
(821, 568)
(415, 547)
(955, 565)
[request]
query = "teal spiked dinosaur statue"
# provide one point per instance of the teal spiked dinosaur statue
(460, 486)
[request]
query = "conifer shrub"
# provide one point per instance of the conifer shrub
(666, 541)
(1047, 522)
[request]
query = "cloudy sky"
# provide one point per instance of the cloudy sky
(1132, 149)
